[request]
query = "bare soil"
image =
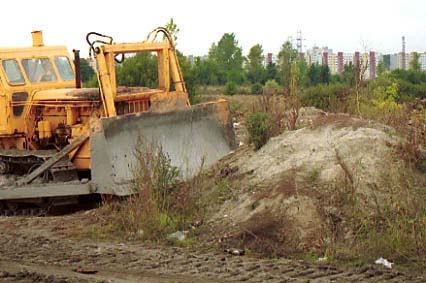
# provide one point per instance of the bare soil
(51, 249)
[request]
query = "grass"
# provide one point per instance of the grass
(221, 192)
(314, 175)
(389, 223)
(162, 203)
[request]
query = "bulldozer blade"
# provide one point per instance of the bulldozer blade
(198, 134)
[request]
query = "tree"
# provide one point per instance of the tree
(414, 63)
(255, 68)
(190, 75)
(302, 68)
(314, 74)
(139, 70)
(324, 74)
(271, 72)
(349, 74)
(360, 68)
(381, 68)
(287, 57)
(86, 71)
(188, 70)
(228, 58)
(173, 30)
(386, 61)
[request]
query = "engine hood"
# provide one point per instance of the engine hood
(67, 94)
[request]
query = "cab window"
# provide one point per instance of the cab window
(64, 68)
(19, 99)
(13, 72)
(39, 70)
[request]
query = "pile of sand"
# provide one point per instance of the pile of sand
(280, 189)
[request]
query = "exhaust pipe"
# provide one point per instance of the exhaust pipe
(77, 68)
(37, 38)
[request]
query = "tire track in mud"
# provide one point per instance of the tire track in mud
(20, 272)
(30, 252)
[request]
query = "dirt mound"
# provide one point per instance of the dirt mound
(283, 188)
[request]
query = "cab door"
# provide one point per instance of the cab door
(3, 108)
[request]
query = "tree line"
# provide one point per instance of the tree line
(225, 65)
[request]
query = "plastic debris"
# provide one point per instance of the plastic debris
(235, 251)
(179, 235)
(322, 259)
(384, 262)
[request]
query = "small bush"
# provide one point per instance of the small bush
(230, 88)
(257, 88)
(327, 97)
(162, 204)
(271, 87)
(243, 89)
(258, 127)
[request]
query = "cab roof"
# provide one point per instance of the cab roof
(28, 52)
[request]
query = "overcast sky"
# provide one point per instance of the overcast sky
(341, 25)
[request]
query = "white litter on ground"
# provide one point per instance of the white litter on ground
(384, 262)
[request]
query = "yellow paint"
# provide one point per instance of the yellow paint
(44, 129)
(32, 114)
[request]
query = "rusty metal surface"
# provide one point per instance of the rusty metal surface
(74, 188)
(53, 160)
(27, 153)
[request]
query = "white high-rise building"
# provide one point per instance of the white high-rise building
(315, 55)
(422, 61)
(332, 63)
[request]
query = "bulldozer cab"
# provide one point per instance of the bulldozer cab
(23, 71)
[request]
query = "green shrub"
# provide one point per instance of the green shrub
(326, 97)
(258, 127)
(271, 87)
(92, 82)
(257, 88)
(230, 88)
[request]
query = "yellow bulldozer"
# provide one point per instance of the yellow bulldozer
(60, 143)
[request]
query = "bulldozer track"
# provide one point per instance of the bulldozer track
(41, 247)
(24, 212)
(13, 209)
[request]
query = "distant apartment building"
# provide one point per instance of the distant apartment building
(317, 55)
(396, 61)
(372, 65)
(333, 63)
(422, 61)
(269, 59)
(340, 64)
(393, 62)
(348, 58)
(357, 59)
(370, 62)
(342, 60)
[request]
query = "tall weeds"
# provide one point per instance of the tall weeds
(386, 219)
(162, 203)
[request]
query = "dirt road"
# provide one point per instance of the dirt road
(49, 250)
